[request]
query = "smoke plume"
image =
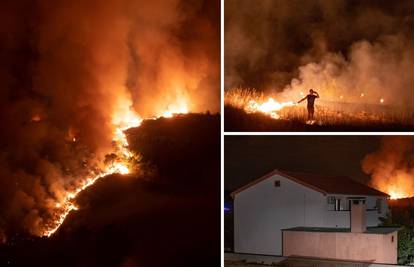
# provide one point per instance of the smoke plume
(392, 167)
(350, 51)
(69, 67)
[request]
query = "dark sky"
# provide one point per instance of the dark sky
(248, 157)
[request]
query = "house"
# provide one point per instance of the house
(297, 214)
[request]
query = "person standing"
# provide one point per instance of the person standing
(311, 103)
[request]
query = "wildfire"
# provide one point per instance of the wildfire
(270, 107)
(396, 192)
(67, 204)
(396, 195)
(122, 121)
(170, 113)
(396, 189)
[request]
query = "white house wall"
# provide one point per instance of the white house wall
(262, 210)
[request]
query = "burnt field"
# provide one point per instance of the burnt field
(165, 214)
(294, 118)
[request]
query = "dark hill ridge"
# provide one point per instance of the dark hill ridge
(185, 148)
(138, 221)
(237, 120)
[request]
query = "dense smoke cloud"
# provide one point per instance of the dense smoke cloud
(357, 49)
(392, 167)
(70, 66)
(171, 56)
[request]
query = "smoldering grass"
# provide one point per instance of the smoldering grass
(326, 112)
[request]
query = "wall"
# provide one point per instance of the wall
(376, 248)
(262, 210)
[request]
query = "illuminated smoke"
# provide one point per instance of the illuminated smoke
(349, 51)
(379, 69)
(78, 73)
(392, 167)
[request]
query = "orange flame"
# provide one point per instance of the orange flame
(270, 107)
(124, 119)
(400, 186)
(128, 120)
(251, 102)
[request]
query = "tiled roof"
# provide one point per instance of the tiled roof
(324, 184)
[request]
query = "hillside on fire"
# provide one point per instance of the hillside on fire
(319, 65)
(109, 149)
(170, 207)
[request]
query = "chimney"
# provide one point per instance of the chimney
(358, 216)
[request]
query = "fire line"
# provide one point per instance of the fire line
(128, 120)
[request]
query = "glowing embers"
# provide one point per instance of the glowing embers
(270, 107)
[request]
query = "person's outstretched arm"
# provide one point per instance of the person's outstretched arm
(302, 99)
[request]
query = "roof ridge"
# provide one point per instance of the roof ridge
(315, 185)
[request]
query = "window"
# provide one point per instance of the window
(338, 204)
(331, 200)
(335, 204)
(277, 183)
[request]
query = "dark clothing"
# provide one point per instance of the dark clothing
(311, 100)
(311, 112)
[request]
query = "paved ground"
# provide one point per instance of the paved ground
(252, 260)
(298, 263)
(240, 264)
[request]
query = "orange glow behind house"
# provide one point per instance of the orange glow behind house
(400, 186)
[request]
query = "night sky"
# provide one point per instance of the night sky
(249, 157)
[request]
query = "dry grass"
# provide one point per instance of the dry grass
(240, 97)
(327, 113)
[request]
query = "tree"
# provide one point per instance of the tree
(405, 240)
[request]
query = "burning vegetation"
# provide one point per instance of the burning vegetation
(391, 167)
(173, 194)
(80, 75)
(328, 114)
(356, 55)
